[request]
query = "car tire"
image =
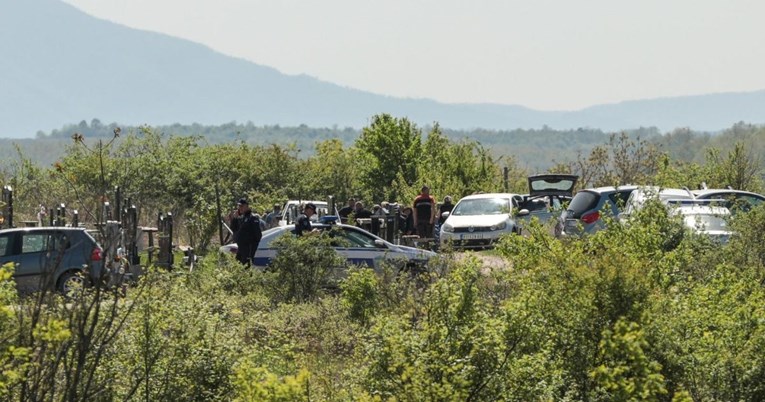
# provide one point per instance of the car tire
(71, 282)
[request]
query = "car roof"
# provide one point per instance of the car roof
(662, 193)
(314, 225)
(610, 189)
(43, 229)
(490, 195)
(713, 191)
(298, 202)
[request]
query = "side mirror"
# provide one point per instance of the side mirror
(445, 214)
(523, 212)
(380, 243)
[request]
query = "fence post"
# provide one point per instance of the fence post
(7, 214)
(165, 226)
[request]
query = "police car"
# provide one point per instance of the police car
(358, 246)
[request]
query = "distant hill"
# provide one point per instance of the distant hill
(59, 65)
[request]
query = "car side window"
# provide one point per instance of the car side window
(5, 243)
(358, 239)
(60, 242)
(34, 242)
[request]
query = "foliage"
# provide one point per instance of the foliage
(622, 160)
(360, 294)
(627, 374)
(258, 384)
(303, 267)
(641, 311)
(390, 147)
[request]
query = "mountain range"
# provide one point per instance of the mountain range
(59, 65)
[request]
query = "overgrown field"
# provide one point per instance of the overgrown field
(640, 313)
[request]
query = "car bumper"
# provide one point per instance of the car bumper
(471, 240)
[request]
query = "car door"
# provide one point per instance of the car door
(7, 255)
(360, 248)
(37, 260)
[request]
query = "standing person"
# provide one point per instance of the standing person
(303, 222)
(273, 217)
(446, 206)
(346, 210)
(247, 233)
(424, 213)
(360, 212)
(405, 221)
(378, 215)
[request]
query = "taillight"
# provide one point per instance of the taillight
(592, 217)
(95, 255)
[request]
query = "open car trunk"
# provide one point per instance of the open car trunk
(561, 185)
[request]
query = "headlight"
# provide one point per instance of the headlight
(499, 226)
(447, 228)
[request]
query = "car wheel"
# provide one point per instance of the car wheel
(71, 282)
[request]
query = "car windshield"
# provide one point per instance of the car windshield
(704, 223)
(482, 206)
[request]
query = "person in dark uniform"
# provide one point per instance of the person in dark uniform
(303, 223)
(346, 210)
(406, 222)
(424, 211)
(247, 233)
(446, 206)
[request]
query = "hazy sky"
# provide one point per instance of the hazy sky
(544, 54)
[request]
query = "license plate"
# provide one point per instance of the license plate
(471, 236)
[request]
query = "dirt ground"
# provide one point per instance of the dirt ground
(489, 262)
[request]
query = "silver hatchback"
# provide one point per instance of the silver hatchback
(57, 258)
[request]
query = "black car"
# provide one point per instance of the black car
(57, 258)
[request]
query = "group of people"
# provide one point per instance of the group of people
(418, 219)
(248, 227)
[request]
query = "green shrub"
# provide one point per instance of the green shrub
(303, 267)
(627, 373)
(360, 294)
(258, 384)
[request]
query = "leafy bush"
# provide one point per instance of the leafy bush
(303, 267)
(360, 294)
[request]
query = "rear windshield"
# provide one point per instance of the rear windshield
(706, 222)
(582, 202)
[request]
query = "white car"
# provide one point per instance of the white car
(705, 219)
(359, 247)
(641, 195)
(293, 208)
(479, 220)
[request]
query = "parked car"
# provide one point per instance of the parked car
(358, 246)
(480, 220)
(293, 208)
(588, 207)
(548, 193)
(59, 258)
(734, 200)
(641, 195)
(705, 219)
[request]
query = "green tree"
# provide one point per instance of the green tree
(390, 148)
